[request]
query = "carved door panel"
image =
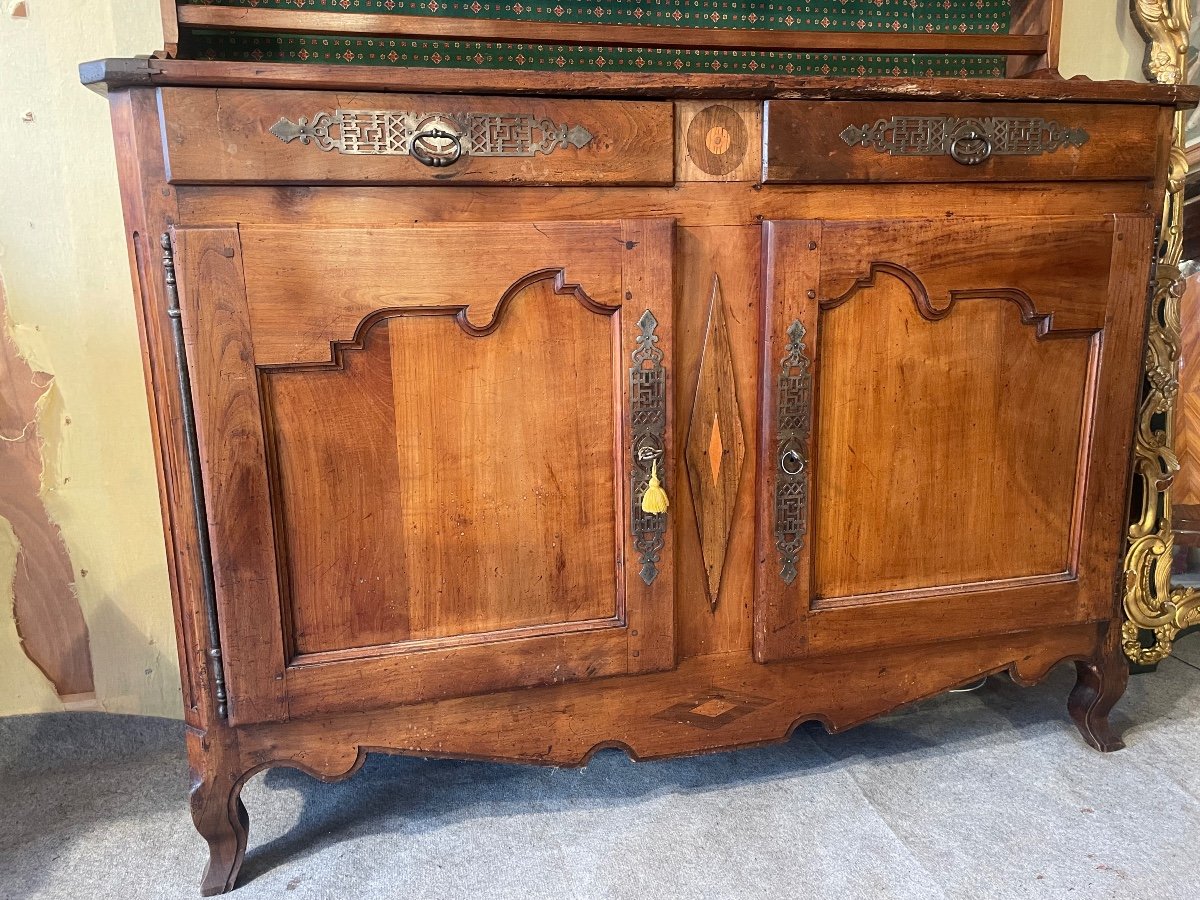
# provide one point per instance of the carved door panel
(424, 451)
(947, 415)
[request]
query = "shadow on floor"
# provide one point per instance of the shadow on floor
(90, 799)
(393, 794)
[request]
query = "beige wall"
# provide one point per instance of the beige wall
(62, 257)
(63, 261)
(1099, 41)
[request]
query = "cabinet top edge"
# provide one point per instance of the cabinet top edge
(111, 74)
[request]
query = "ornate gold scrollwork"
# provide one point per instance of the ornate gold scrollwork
(1165, 24)
(1152, 608)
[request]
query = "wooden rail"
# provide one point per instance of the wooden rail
(653, 36)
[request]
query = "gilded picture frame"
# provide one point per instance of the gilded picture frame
(1155, 609)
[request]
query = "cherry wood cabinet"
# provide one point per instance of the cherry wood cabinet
(665, 415)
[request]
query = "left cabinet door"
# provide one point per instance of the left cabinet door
(424, 451)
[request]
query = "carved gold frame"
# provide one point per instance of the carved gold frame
(1154, 612)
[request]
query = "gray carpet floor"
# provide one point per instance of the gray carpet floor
(989, 794)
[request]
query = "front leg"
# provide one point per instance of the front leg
(1099, 685)
(217, 809)
(222, 821)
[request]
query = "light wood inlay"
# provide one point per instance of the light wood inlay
(718, 141)
(716, 446)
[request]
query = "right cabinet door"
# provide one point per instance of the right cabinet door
(947, 413)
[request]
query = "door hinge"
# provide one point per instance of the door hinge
(208, 588)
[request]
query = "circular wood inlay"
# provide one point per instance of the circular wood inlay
(717, 140)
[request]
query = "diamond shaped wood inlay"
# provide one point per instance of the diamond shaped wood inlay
(716, 447)
(716, 450)
(712, 710)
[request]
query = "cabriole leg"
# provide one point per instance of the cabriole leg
(222, 821)
(217, 810)
(1099, 685)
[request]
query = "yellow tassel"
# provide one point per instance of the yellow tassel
(655, 501)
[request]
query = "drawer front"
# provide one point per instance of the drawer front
(217, 136)
(898, 142)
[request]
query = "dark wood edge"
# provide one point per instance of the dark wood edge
(170, 22)
(102, 74)
(1185, 523)
(529, 32)
(108, 74)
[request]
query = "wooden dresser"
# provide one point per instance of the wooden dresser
(518, 416)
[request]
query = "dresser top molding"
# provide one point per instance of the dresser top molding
(111, 74)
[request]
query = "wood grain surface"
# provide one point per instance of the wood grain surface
(804, 143)
(232, 448)
(224, 135)
(310, 289)
(442, 500)
(109, 74)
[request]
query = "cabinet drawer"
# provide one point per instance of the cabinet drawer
(900, 142)
(313, 137)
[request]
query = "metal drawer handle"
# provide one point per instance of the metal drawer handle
(427, 150)
(971, 147)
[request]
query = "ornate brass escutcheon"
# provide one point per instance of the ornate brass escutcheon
(433, 139)
(968, 141)
(648, 421)
(794, 426)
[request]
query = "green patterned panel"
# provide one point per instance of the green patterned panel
(940, 16)
(360, 51)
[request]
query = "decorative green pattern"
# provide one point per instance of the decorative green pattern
(360, 51)
(939, 16)
(896, 16)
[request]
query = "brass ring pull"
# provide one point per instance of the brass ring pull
(971, 148)
(431, 154)
(791, 463)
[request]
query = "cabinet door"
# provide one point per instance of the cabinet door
(947, 414)
(424, 453)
